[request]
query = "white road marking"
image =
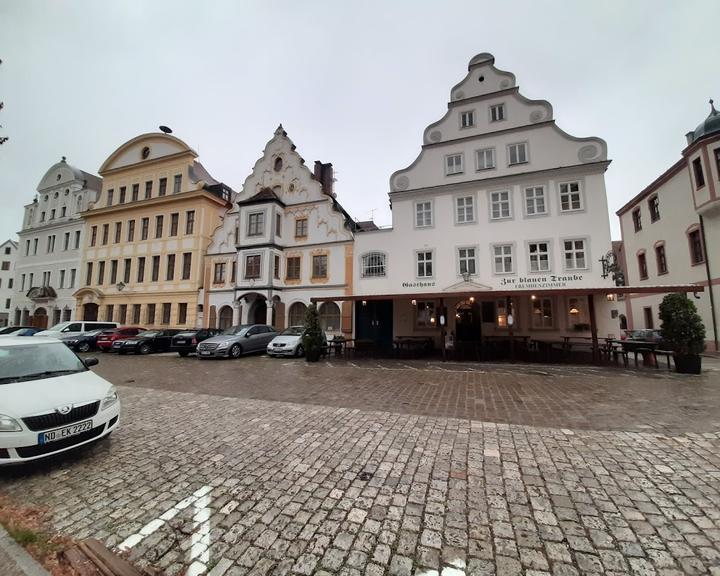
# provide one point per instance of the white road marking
(200, 539)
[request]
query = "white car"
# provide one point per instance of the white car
(288, 342)
(49, 400)
(76, 327)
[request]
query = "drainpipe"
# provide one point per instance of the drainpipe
(709, 279)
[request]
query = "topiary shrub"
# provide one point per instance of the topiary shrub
(682, 328)
(312, 339)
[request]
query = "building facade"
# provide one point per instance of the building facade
(285, 241)
(147, 235)
(498, 225)
(47, 271)
(671, 229)
(8, 252)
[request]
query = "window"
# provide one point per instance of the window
(500, 205)
(535, 201)
(648, 316)
(151, 313)
(10, 282)
(22, 283)
(186, 265)
(296, 314)
(466, 261)
(423, 214)
(148, 189)
(497, 112)
(189, 221)
(660, 259)
(145, 225)
(292, 268)
(162, 188)
(110, 194)
(170, 269)
(424, 264)
(233, 272)
(485, 158)
(27, 247)
(425, 314)
(301, 228)
(158, 226)
(42, 216)
(136, 314)
(113, 271)
(32, 275)
(697, 254)
(575, 257)
(122, 194)
(101, 273)
(109, 309)
(5, 265)
(52, 214)
(503, 259)
(174, 219)
(256, 224)
(654, 207)
(698, 171)
(166, 307)
(105, 233)
(182, 310)
(131, 230)
(177, 183)
(539, 256)
(62, 278)
(374, 265)
(637, 219)
(576, 311)
(126, 270)
(464, 209)
(141, 269)
(642, 266)
(50, 244)
(66, 241)
(135, 194)
(570, 197)
(63, 211)
(73, 273)
(219, 276)
(155, 268)
(467, 119)
(77, 239)
(118, 232)
(517, 153)
(329, 313)
(122, 313)
(453, 164)
(320, 266)
(35, 245)
(252, 266)
(542, 313)
(276, 267)
(278, 225)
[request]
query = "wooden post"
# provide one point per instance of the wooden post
(593, 327)
(442, 330)
(511, 332)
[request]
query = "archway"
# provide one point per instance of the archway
(258, 311)
(329, 317)
(468, 321)
(39, 318)
(623, 322)
(296, 314)
(90, 311)
(226, 317)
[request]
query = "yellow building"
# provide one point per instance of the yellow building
(146, 236)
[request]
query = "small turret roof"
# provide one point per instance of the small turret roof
(710, 125)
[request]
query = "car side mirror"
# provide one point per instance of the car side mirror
(91, 362)
(248, 335)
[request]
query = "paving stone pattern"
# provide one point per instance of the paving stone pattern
(309, 489)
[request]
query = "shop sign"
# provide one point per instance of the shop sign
(542, 282)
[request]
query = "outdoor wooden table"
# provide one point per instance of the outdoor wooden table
(645, 347)
(339, 345)
(412, 344)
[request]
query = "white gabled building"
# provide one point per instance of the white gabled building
(502, 214)
(47, 270)
(285, 241)
(8, 252)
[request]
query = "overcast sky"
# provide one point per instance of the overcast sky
(353, 83)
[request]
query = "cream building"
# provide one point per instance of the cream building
(671, 231)
(8, 252)
(47, 271)
(147, 235)
(285, 241)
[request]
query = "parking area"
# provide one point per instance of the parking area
(262, 466)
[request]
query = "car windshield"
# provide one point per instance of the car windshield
(234, 330)
(34, 362)
(186, 334)
(293, 331)
(59, 327)
(148, 334)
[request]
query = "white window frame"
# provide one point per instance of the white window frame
(245, 257)
(467, 259)
(574, 251)
(517, 145)
(456, 206)
(494, 256)
(462, 164)
(548, 252)
(534, 199)
(425, 262)
(543, 325)
(491, 202)
(503, 112)
(415, 214)
(379, 270)
(579, 192)
(464, 114)
(484, 165)
(249, 223)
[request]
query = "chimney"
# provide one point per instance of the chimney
(317, 171)
(323, 173)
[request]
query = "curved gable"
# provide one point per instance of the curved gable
(158, 146)
(59, 174)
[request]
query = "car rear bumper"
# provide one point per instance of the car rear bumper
(281, 351)
(189, 348)
(106, 345)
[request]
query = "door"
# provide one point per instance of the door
(374, 321)
(90, 312)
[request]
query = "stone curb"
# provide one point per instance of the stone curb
(21, 563)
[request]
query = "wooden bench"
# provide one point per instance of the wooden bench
(667, 354)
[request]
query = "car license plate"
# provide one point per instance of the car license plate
(60, 433)
(205, 352)
(179, 341)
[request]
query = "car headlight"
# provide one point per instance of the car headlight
(223, 344)
(8, 424)
(110, 399)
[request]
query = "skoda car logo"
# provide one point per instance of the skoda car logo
(64, 409)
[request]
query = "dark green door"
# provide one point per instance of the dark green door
(374, 321)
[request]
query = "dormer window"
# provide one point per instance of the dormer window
(467, 119)
(145, 153)
(497, 113)
(698, 171)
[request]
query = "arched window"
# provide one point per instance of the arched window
(330, 317)
(296, 314)
(374, 265)
(278, 164)
(226, 317)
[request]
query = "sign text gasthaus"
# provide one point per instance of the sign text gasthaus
(539, 282)
(418, 284)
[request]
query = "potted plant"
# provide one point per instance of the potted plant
(312, 339)
(682, 332)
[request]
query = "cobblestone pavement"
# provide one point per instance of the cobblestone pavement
(238, 485)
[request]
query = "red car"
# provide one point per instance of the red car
(105, 340)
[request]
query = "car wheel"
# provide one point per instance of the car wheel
(145, 349)
(183, 354)
(121, 352)
(299, 351)
(235, 351)
(84, 347)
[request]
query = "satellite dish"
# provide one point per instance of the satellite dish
(165, 129)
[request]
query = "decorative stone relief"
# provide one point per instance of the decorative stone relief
(435, 136)
(536, 116)
(459, 95)
(402, 183)
(505, 83)
(589, 153)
